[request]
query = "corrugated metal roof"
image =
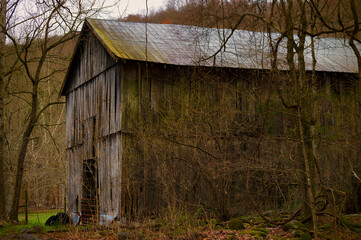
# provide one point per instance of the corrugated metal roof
(195, 46)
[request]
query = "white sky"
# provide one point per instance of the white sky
(114, 9)
(139, 6)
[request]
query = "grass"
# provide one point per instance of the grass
(38, 219)
(33, 219)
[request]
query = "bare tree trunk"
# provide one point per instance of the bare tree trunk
(22, 153)
(308, 158)
(303, 98)
(306, 122)
(2, 120)
(353, 196)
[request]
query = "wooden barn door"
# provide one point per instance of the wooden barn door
(89, 205)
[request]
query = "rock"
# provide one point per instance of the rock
(251, 219)
(303, 235)
(262, 230)
(269, 213)
(235, 224)
(256, 234)
(34, 229)
(294, 224)
(123, 235)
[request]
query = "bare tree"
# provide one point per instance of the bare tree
(35, 36)
(2, 132)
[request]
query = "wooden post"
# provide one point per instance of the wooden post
(26, 206)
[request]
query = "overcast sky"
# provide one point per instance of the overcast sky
(138, 6)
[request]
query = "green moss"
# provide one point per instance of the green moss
(278, 238)
(257, 234)
(251, 219)
(294, 224)
(235, 224)
(266, 224)
(231, 236)
(303, 235)
(260, 229)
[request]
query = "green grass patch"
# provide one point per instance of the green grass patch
(38, 218)
(33, 219)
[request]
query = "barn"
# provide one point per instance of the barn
(127, 76)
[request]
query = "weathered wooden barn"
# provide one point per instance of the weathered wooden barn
(120, 78)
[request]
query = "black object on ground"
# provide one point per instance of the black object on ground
(60, 218)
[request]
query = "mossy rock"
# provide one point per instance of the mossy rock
(269, 213)
(235, 224)
(257, 234)
(294, 225)
(303, 235)
(251, 219)
(266, 224)
(260, 229)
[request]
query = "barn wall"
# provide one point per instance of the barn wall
(90, 59)
(150, 95)
(222, 113)
(93, 130)
(140, 121)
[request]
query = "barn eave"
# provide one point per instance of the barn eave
(86, 27)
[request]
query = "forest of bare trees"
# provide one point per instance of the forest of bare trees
(297, 145)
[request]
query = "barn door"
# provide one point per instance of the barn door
(89, 204)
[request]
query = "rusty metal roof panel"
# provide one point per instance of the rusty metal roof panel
(196, 46)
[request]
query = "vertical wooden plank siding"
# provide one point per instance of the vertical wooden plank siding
(93, 101)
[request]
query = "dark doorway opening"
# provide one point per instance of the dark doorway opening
(89, 203)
